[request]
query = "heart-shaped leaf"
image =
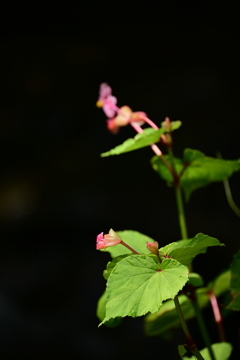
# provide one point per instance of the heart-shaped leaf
(138, 285)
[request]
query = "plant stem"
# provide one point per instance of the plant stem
(169, 167)
(180, 207)
(158, 152)
(228, 193)
(203, 328)
(181, 214)
(129, 247)
(191, 344)
(217, 315)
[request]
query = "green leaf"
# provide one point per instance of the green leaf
(101, 311)
(235, 284)
(222, 351)
(161, 322)
(138, 285)
(199, 170)
(166, 318)
(181, 350)
(220, 284)
(135, 239)
(195, 280)
(161, 169)
(148, 137)
(203, 170)
(174, 125)
(186, 250)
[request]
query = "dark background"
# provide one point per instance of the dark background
(167, 58)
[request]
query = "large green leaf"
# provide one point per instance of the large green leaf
(222, 351)
(197, 170)
(135, 239)
(148, 137)
(138, 285)
(186, 250)
(235, 283)
(166, 318)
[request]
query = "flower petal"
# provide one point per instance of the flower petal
(105, 91)
(109, 111)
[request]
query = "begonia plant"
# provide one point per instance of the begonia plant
(159, 283)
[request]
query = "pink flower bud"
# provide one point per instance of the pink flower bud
(153, 247)
(110, 239)
(112, 127)
(124, 117)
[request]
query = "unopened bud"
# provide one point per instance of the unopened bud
(153, 247)
(110, 239)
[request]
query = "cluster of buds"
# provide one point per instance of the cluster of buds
(125, 116)
(118, 117)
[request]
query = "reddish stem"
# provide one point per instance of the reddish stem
(129, 247)
(217, 315)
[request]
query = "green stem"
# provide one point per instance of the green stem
(203, 328)
(228, 193)
(170, 153)
(191, 344)
(181, 213)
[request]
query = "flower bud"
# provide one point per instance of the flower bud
(110, 239)
(153, 247)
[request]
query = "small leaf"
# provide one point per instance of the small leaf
(148, 137)
(235, 283)
(181, 350)
(138, 285)
(221, 283)
(195, 280)
(222, 351)
(185, 251)
(174, 125)
(134, 239)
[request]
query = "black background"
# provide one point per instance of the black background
(167, 58)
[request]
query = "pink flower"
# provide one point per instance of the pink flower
(153, 247)
(110, 239)
(106, 100)
(125, 116)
